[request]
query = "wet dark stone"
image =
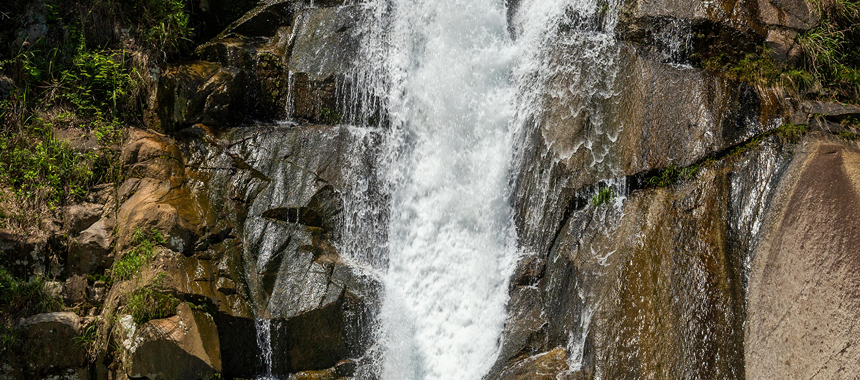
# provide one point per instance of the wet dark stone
(240, 354)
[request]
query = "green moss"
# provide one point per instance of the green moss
(330, 116)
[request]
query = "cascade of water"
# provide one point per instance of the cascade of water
(264, 341)
(451, 245)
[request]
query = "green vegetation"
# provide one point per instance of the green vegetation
(130, 263)
(786, 134)
(832, 49)
(829, 66)
(84, 70)
(330, 116)
(20, 298)
(759, 69)
(87, 340)
(150, 303)
(41, 168)
(850, 136)
(604, 195)
(672, 174)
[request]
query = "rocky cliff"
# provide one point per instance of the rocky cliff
(223, 243)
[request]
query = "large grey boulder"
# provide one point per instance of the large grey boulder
(326, 45)
(77, 218)
(795, 14)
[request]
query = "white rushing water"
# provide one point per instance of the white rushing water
(458, 91)
(451, 243)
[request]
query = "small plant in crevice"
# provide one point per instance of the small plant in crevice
(145, 243)
(604, 196)
(850, 136)
(786, 134)
(672, 175)
(87, 340)
(330, 116)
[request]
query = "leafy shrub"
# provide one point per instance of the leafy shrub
(39, 167)
(19, 298)
(162, 24)
(97, 81)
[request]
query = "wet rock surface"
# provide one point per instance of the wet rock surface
(199, 92)
(658, 279)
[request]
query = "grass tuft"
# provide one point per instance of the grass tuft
(130, 263)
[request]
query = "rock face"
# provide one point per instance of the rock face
(51, 341)
(187, 341)
(285, 186)
(658, 280)
(199, 92)
(803, 299)
(89, 250)
(743, 269)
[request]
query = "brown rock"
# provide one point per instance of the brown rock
(781, 45)
(78, 139)
(51, 341)
(551, 365)
(88, 251)
(97, 293)
(831, 109)
(803, 300)
(264, 20)
(326, 374)
(181, 347)
(795, 14)
(75, 290)
(197, 92)
(77, 218)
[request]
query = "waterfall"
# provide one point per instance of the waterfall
(451, 243)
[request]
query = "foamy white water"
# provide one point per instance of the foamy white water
(451, 243)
